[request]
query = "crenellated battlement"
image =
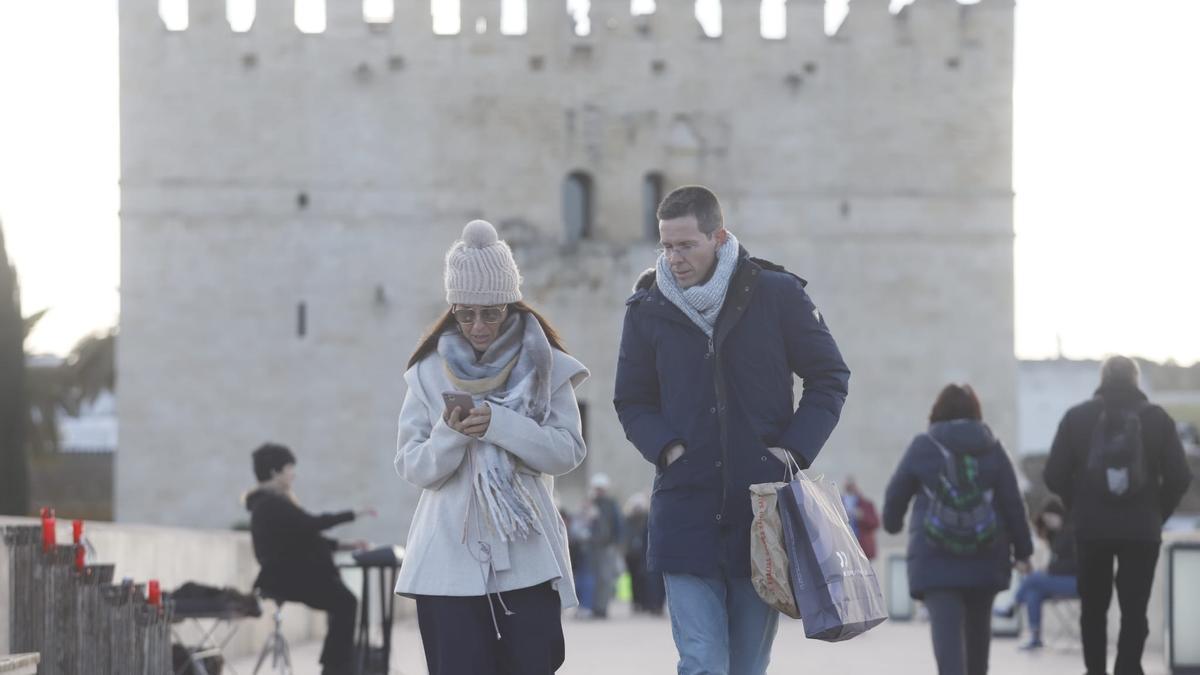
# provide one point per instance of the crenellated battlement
(922, 95)
(799, 22)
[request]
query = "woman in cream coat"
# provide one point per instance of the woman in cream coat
(487, 556)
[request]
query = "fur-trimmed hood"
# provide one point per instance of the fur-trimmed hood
(645, 280)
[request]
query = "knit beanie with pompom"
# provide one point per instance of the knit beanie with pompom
(480, 269)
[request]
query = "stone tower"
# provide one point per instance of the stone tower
(287, 199)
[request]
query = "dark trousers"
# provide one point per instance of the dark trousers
(961, 624)
(647, 587)
(341, 608)
(1135, 561)
(460, 638)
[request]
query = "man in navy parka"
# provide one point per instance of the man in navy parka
(711, 342)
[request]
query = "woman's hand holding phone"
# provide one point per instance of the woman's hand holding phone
(462, 415)
(477, 423)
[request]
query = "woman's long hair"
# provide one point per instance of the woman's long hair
(956, 402)
(429, 340)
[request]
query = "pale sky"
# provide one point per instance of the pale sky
(1107, 162)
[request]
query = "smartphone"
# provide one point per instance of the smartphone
(458, 399)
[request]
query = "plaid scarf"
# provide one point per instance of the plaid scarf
(515, 373)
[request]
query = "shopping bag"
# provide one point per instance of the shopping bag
(768, 561)
(833, 583)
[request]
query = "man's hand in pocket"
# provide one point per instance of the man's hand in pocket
(672, 454)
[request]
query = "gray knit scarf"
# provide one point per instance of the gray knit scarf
(702, 303)
(514, 372)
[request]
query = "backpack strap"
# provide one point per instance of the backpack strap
(947, 458)
(952, 469)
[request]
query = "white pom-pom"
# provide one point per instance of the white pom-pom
(479, 234)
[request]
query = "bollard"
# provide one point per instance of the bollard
(79, 622)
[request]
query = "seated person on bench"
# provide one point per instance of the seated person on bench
(1058, 580)
(296, 559)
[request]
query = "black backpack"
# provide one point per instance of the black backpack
(1116, 466)
(960, 519)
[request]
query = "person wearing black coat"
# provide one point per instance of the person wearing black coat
(645, 586)
(296, 559)
(1126, 530)
(957, 588)
(1057, 580)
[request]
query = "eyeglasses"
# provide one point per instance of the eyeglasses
(467, 316)
(683, 249)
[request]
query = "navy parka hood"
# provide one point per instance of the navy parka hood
(969, 437)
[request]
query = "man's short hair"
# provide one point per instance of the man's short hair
(693, 200)
(270, 459)
(1119, 370)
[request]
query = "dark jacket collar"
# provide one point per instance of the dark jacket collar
(1120, 395)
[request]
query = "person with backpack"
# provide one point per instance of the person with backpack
(968, 525)
(1118, 465)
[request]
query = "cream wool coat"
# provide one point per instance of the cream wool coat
(449, 541)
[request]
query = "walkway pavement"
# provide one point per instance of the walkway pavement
(632, 645)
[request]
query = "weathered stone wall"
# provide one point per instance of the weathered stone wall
(266, 169)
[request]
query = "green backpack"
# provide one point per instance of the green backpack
(960, 519)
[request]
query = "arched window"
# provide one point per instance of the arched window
(577, 206)
(652, 194)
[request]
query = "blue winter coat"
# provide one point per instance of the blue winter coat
(929, 567)
(726, 400)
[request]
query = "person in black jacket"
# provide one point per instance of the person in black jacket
(645, 586)
(1119, 510)
(958, 587)
(1057, 580)
(296, 559)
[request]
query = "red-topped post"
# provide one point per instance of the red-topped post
(48, 529)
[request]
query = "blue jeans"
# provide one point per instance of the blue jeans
(1038, 587)
(720, 625)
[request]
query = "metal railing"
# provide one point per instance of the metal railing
(79, 621)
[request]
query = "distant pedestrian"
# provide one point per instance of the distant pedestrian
(646, 586)
(1118, 465)
(863, 517)
(968, 524)
(605, 533)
